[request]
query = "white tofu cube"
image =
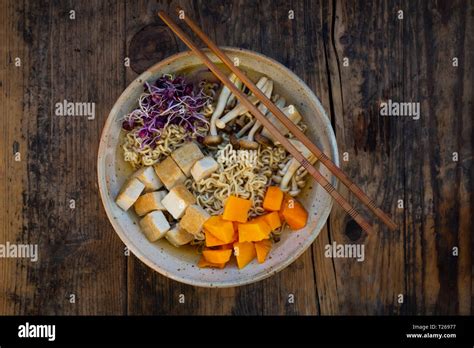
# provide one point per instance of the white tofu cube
(177, 236)
(154, 225)
(193, 219)
(204, 168)
(186, 156)
(129, 193)
(177, 200)
(149, 178)
(149, 202)
(169, 173)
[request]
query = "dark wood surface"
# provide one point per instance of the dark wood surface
(407, 59)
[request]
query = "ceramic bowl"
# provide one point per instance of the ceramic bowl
(180, 264)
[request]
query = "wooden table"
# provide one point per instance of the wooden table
(354, 55)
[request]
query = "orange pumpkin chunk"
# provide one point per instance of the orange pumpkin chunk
(229, 246)
(203, 263)
(273, 199)
(217, 256)
(293, 213)
(244, 253)
(236, 209)
(263, 248)
(254, 230)
(212, 241)
(221, 229)
(272, 219)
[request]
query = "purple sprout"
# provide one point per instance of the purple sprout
(167, 101)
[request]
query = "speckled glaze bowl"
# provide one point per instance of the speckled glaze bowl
(181, 263)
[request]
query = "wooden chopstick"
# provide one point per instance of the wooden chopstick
(267, 124)
(291, 126)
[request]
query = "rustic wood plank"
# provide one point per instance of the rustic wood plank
(405, 60)
(14, 290)
(438, 190)
(369, 35)
(79, 253)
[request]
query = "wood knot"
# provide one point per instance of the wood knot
(150, 45)
(353, 230)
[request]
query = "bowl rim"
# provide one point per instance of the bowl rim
(101, 172)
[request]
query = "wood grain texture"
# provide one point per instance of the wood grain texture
(404, 60)
(14, 290)
(79, 253)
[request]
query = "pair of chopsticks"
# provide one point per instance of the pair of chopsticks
(283, 119)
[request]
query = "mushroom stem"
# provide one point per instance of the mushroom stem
(222, 102)
(260, 138)
(213, 139)
(249, 141)
(294, 164)
(240, 108)
(276, 179)
(232, 98)
(290, 112)
(295, 190)
(245, 128)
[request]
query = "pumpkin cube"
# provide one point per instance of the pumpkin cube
(244, 253)
(293, 213)
(186, 156)
(203, 263)
(229, 246)
(273, 199)
(217, 256)
(169, 173)
(212, 241)
(236, 209)
(263, 249)
(272, 219)
(254, 230)
(221, 229)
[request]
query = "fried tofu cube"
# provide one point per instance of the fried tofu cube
(194, 218)
(129, 193)
(169, 173)
(177, 236)
(154, 225)
(149, 178)
(186, 156)
(204, 168)
(149, 202)
(178, 200)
